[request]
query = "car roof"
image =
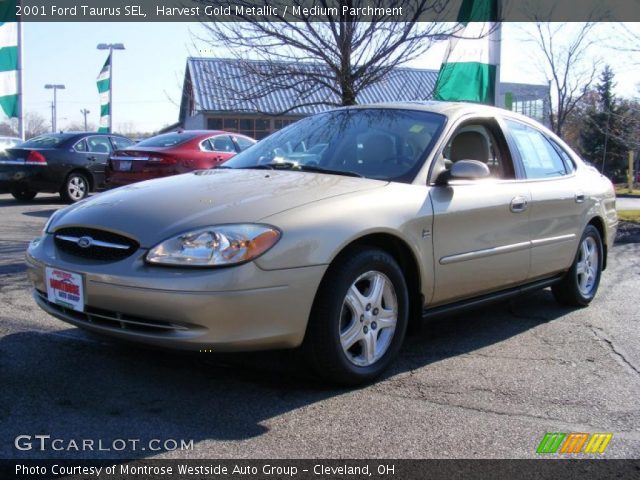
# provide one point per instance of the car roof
(87, 134)
(204, 133)
(448, 109)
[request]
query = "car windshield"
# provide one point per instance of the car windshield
(50, 140)
(379, 143)
(167, 139)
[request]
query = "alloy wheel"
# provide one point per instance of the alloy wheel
(368, 318)
(77, 188)
(588, 265)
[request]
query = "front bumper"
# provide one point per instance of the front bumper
(228, 309)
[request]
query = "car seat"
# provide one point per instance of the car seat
(469, 146)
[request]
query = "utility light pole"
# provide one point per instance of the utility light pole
(54, 105)
(85, 112)
(111, 47)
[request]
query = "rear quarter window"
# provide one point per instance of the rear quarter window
(47, 141)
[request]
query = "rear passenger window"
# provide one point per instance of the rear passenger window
(99, 145)
(206, 146)
(222, 143)
(244, 143)
(120, 142)
(539, 157)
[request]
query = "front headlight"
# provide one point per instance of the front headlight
(214, 246)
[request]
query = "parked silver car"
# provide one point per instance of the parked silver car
(333, 234)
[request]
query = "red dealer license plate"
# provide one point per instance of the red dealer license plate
(65, 288)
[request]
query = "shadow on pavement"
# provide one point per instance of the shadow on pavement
(41, 199)
(40, 213)
(71, 384)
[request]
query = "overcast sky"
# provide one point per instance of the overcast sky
(148, 74)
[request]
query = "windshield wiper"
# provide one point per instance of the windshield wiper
(313, 168)
(302, 167)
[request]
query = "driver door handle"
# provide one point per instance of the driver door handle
(519, 204)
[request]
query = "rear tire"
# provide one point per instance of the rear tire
(580, 284)
(23, 193)
(75, 187)
(359, 317)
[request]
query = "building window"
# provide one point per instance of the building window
(262, 129)
(531, 108)
(214, 124)
(281, 123)
(230, 124)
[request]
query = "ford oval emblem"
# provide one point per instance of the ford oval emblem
(85, 242)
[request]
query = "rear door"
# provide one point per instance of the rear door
(98, 150)
(558, 202)
(480, 227)
(218, 149)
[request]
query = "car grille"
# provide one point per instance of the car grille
(94, 244)
(114, 320)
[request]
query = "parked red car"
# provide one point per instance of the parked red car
(173, 153)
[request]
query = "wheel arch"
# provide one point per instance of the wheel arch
(85, 172)
(406, 259)
(599, 224)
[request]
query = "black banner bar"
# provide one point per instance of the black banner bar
(320, 469)
(309, 10)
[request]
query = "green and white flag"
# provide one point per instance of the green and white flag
(9, 84)
(104, 89)
(470, 67)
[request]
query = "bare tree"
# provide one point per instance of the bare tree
(565, 62)
(8, 130)
(34, 124)
(79, 127)
(627, 39)
(325, 62)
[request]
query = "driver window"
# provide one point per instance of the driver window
(476, 142)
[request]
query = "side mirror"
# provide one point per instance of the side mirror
(464, 170)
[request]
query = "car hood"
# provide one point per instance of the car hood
(154, 210)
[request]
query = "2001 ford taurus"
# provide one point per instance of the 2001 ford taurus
(333, 234)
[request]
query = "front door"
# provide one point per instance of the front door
(481, 227)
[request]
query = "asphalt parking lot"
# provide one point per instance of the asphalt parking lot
(486, 384)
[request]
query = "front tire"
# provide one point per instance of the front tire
(359, 318)
(23, 193)
(75, 187)
(580, 284)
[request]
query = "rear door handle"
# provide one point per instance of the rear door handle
(579, 197)
(519, 204)
(91, 158)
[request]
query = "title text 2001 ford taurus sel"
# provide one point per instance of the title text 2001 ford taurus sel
(333, 234)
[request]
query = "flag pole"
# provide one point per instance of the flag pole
(498, 38)
(111, 89)
(21, 132)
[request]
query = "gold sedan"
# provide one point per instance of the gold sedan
(332, 235)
